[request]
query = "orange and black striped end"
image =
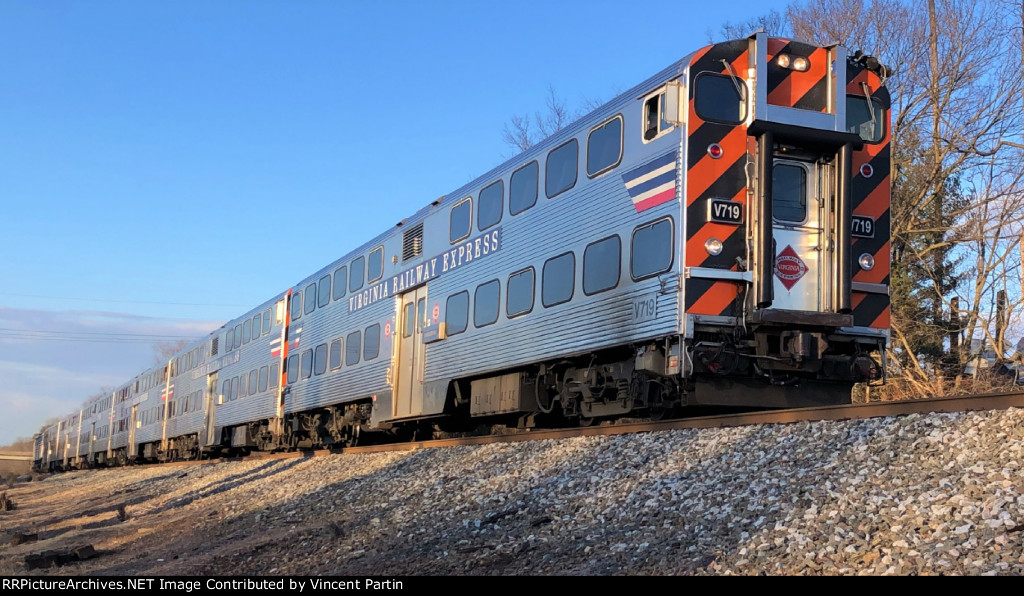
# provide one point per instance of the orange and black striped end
(870, 197)
(806, 90)
(708, 177)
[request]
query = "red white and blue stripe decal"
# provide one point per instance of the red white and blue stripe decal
(653, 183)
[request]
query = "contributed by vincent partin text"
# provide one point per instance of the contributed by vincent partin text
(293, 585)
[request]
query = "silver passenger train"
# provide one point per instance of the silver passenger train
(719, 234)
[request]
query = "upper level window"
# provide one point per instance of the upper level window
(601, 265)
(266, 322)
(717, 98)
(651, 250)
(296, 305)
(789, 193)
(375, 265)
(604, 147)
(655, 123)
(461, 220)
(323, 291)
(310, 302)
(560, 171)
(340, 281)
(490, 205)
(246, 327)
(257, 323)
(868, 123)
(357, 270)
(522, 190)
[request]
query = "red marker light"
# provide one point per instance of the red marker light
(715, 150)
(866, 170)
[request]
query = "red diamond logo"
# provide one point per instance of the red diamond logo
(789, 268)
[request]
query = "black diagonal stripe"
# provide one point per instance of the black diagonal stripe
(702, 137)
(776, 74)
(697, 287)
(816, 98)
(733, 245)
(730, 182)
(862, 187)
(712, 59)
(869, 309)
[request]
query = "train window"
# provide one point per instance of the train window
(868, 122)
(233, 395)
(352, 353)
(323, 291)
(519, 293)
(375, 265)
(601, 262)
(309, 304)
(257, 322)
(228, 346)
(320, 359)
(275, 375)
(293, 368)
(789, 193)
(371, 342)
(650, 251)
(719, 99)
(490, 205)
(460, 220)
(560, 170)
(238, 340)
(266, 321)
(336, 354)
(485, 303)
(263, 378)
(655, 123)
(355, 280)
(409, 320)
(306, 364)
(604, 147)
(246, 328)
(296, 305)
(242, 384)
(558, 279)
(225, 391)
(254, 376)
(522, 190)
(340, 281)
(456, 313)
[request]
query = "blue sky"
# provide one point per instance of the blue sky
(166, 165)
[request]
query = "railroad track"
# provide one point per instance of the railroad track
(990, 401)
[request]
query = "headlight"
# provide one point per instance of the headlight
(867, 262)
(713, 246)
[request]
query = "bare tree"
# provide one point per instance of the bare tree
(523, 132)
(772, 22)
(165, 350)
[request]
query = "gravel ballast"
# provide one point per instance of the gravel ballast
(921, 494)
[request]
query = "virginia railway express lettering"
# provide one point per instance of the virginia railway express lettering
(462, 254)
